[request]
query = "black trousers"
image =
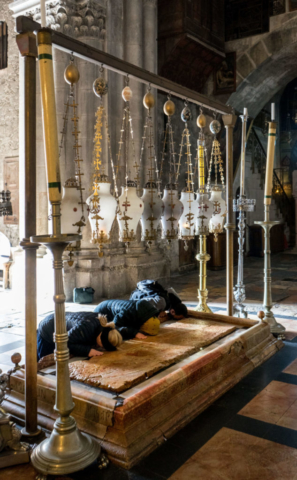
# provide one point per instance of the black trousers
(44, 347)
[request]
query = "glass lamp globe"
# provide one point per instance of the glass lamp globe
(205, 210)
(130, 211)
(102, 218)
(187, 221)
(173, 209)
(70, 208)
(217, 221)
(152, 212)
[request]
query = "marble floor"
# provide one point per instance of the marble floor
(247, 434)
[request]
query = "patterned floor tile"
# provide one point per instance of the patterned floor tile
(292, 368)
(272, 404)
(232, 455)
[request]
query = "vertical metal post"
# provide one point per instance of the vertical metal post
(229, 122)
(203, 257)
(27, 47)
(269, 318)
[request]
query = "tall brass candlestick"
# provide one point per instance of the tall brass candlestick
(203, 257)
(242, 205)
(66, 450)
(267, 225)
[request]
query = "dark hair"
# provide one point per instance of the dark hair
(181, 309)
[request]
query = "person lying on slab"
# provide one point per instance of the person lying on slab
(153, 292)
(86, 332)
(133, 319)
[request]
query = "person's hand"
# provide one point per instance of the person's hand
(140, 336)
(163, 317)
(94, 353)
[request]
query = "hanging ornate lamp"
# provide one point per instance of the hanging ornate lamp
(130, 205)
(72, 208)
(173, 207)
(188, 218)
(216, 223)
(152, 203)
(102, 204)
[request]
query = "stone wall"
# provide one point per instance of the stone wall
(9, 108)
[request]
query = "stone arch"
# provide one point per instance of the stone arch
(266, 67)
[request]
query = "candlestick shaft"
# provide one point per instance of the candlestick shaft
(239, 289)
(267, 300)
(229, 121)
(49, 116)
(243, 149)
(203, 258)
(270, 162)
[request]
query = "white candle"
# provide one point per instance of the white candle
(244, 118)
(43, 13)
(49, 116)
(270, 162)
(272, 112)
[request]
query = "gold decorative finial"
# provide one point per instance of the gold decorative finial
(71, 73)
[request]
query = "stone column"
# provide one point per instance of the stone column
(133, 53)
(294, 193)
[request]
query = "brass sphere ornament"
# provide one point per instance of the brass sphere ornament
(71, 74)
(149, 100)
(201, 121)
(16, 358)
(127, 94)
(186, 114)
(215, 127)
(169, 108)
(100, 87)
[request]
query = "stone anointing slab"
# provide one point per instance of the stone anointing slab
(137, 360)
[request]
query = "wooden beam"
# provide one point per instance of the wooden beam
(86, 52)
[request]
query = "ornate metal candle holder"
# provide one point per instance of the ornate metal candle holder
(5, 203)
(202, 225)
(241, 205)
(203, 257)
(12, 450)
(267, 301)
(67, 450)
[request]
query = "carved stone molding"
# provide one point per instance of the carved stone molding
(76, 18)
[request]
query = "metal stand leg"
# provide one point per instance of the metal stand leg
(242, 205)
(267, 302)
(203, 257)
(67, 450)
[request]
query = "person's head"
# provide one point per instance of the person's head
(179, 311)
(109, 338)
(151, 326)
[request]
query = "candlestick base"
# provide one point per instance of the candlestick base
(67, 450)
(275, 327)
(203, 257)
(239, 309)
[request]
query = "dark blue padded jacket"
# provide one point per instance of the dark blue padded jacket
(83, 328)
(128, 315)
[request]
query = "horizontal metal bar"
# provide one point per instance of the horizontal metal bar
(86, 52)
